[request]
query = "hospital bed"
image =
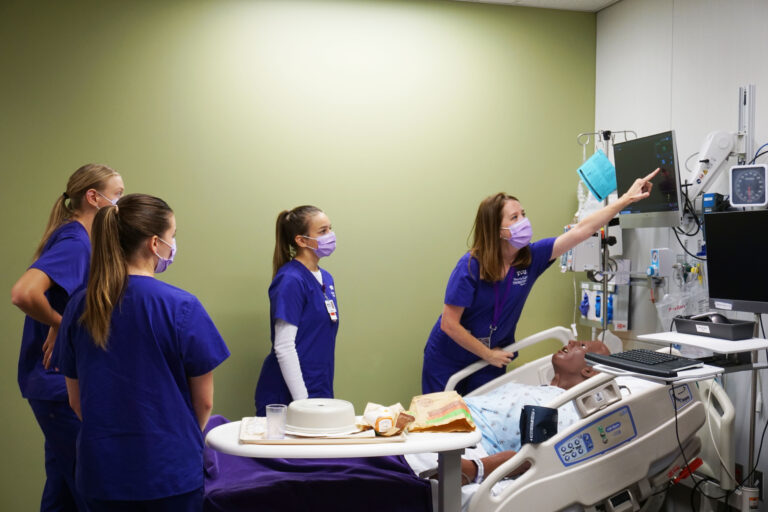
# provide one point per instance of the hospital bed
(627, 471)
(638, 466)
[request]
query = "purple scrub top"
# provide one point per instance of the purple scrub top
(65, 259)
(444, 356)
(296, 297)
(140, 439)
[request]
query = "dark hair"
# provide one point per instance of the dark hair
(486, 247)
(82, 180)
(117, 233)
(288, 225)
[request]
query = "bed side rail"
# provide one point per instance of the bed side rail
(721, 415)
(561, 334)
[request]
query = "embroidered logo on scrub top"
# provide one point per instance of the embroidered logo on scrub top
(521, 278)
(332, 291)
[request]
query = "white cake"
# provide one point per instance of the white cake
(320, 416)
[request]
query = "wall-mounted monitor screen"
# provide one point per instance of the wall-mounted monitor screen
(635, 159)
(736, 250)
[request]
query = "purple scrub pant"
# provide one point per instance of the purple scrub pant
(60, 427)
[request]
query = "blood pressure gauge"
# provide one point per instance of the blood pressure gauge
(748, 185)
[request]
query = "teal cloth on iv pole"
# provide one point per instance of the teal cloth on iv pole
(599, 175)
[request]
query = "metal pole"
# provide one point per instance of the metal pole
(604, 252)
(752, 408)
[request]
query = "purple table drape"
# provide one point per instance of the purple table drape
(366, 484)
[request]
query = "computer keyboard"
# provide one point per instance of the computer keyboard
(645, 361)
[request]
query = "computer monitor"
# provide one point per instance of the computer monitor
(635, 159)
(737, 246)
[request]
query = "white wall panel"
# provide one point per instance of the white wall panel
(678, 64)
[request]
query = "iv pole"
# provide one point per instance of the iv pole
(606, 138)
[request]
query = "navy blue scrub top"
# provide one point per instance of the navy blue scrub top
(296, 297)
(140, 439)
(477, 297)
(65, 259)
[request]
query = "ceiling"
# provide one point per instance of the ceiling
(566, 5)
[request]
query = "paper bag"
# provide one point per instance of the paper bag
(440, 412)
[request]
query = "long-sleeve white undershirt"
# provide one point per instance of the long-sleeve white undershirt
(287, 357)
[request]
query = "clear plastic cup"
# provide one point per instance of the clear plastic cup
(276, 414)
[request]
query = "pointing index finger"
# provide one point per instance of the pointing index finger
(652, 175)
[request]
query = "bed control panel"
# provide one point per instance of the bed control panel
(600, 436)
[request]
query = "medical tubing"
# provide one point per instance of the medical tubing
(689, 207)
(688, 159)
(757, 153)
(740, 484)
(680, 445)
(689, 253)
(682, 451)
(758, 156)
(757, 461)
(677, 435)
(576, 301)
(696, 489)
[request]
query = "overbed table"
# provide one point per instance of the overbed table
(449, 447)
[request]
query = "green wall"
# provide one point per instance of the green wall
(395, 117)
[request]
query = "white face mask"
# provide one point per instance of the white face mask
(113, 202)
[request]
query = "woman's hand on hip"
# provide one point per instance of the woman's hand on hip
(50, 342)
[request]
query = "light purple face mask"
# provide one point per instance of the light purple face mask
(520, 233)
(164, 263)
(326, 244)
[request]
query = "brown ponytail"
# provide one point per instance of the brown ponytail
(85, 178)
(116, 235)
(288, 225)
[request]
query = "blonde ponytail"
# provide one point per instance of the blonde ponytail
(288, 225)
(109, 272)
(60, 213)
(85, 178)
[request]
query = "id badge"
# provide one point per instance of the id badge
(331, 307)
(487, 341)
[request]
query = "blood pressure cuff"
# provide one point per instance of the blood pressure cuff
(537, 424)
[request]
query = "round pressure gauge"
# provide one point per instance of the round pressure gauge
(748, 185)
